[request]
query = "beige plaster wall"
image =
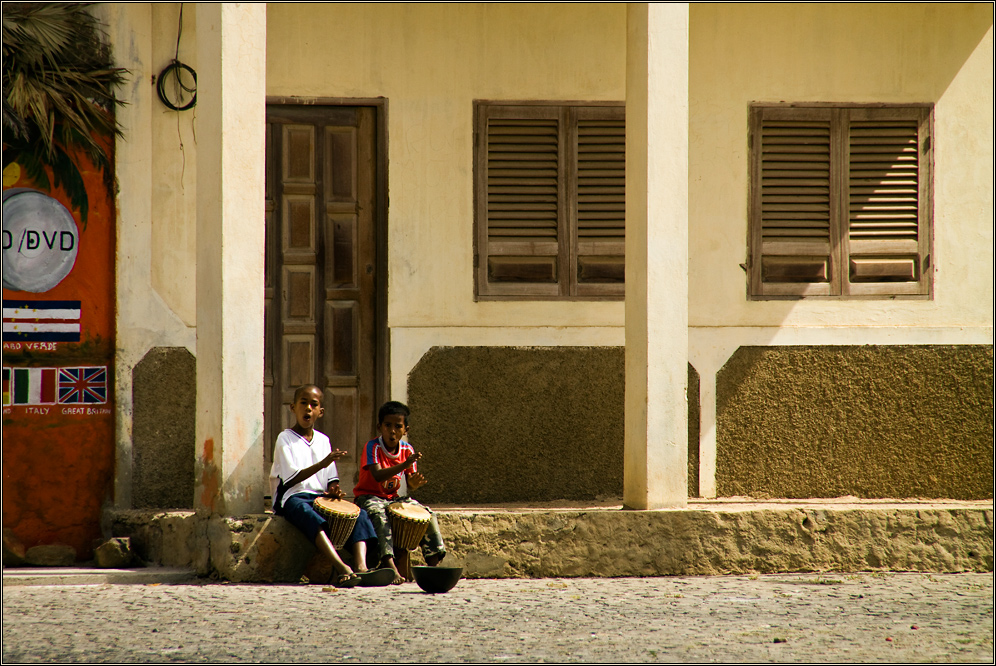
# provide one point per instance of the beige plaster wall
(174, 186)
(861, 53)
(157, 214)
(431, 61)
(155, 261)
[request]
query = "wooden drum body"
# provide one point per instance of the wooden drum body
(341, 516)
(408, 524)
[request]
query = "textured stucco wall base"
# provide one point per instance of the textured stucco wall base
(694, 431)
(604, 542)
(868, 421)
(164, 391)
(524, 424)
(499, 424)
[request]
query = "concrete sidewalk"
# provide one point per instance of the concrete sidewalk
(802, 618)
(22, 576)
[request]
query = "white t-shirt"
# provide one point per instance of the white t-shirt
(294, 453)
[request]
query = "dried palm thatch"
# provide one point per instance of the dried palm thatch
(59, 93)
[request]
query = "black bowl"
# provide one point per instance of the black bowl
(435, 580)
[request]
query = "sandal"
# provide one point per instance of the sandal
(347, 580)
(376, 578)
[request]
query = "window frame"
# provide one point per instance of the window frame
(568, 249)
(851, 264)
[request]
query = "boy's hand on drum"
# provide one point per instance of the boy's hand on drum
(334, 491)
(416, 481)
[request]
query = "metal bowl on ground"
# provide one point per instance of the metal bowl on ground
(435, 580)
(376, 578)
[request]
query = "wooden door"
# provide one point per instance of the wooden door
(321, 271)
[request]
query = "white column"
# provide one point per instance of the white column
(231, 125)
(707, 432)
(656, 440)
(129, 28)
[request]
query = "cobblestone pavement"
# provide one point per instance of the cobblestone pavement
(813, 618)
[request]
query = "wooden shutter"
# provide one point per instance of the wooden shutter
(792, 237)
(521, 190)
(840, 201)
(599, 215)
(887, 201)
(550, 201)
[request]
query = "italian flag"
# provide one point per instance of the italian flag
(34, 386)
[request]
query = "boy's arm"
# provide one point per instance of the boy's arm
(381, 474)
(320, 465)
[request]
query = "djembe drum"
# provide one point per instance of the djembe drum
(341, 516)
(408, 525)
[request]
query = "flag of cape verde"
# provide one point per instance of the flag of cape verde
(41, 321)
(82, 386)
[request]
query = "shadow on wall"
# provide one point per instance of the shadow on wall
(514, 424)
(694, 431)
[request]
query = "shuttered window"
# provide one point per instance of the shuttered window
(840, 201)
(549, 201)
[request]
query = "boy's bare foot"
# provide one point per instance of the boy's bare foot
(388, 563)
(434, 560)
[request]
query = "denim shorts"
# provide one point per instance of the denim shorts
(300, 513)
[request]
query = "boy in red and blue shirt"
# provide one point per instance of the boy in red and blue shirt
(388, 471)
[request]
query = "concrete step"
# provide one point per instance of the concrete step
(95, 576)
(725, 536)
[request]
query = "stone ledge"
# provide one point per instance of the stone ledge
(709, 537)
(252, 548)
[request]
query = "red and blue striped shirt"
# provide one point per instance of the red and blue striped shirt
(376, 453)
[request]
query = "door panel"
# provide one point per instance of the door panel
(321, 270)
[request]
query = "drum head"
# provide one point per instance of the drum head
(336, 507)
(410, 511)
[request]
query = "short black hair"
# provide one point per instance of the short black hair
(393, 407)
(307, 387)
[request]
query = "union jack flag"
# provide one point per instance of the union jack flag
(82, 386)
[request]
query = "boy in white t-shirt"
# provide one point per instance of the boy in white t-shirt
(303, 470)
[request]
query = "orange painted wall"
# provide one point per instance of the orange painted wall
(58, 459)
